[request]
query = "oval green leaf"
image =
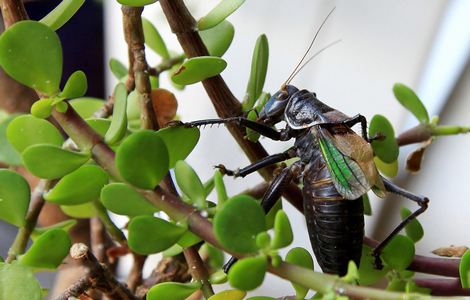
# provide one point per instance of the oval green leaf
(86, 106)
(229, 295)
(30, 52)
(197, 69)
(408, 98)
(259, 68)
(117, 68)
(101, 126)
(64, 225)
(14, 197)
(368, 273)
(172, 290)
(27, 130)
(300, 257)
(216, 256)
(413, 229)
(366, 204)
(62, 13)
(220, 188)
(142, 159)
(48, 251)
(81, 186)
(18, 282)
(399, 252)
(122, 199)
(8, 153)
(218, 39)
(464, 270)
(219, 13)
(262, 298)
(76, 86)
(283, 235)
(136, 2)
(389, 170)
(188, 239)
(51, 162)
(81, 211)
(179, 141)
(386, 148)
(190, 184)
(118, 127)
(148, 235)
(42, 108)
(238, 222)
(248, 273)
(154, 40)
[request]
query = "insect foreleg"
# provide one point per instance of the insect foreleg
(358, 119)
(420, 200)
(272, 195)
(266, 161)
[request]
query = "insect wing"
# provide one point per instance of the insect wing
(349, 159)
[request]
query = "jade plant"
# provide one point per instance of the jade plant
(93, 160)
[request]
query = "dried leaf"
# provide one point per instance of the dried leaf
(452, 251)
(414, 159)
(165, 105)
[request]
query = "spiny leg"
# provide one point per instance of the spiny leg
(271, 196)
(423, 205)
(266, 161)
(262, 129)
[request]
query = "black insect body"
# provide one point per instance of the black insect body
(336, 167)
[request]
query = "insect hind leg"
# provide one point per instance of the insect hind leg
(423, 205)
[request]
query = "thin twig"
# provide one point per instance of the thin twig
(77, 289)
(198, 270)
(37, 203)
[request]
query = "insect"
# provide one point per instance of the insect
(335, 165)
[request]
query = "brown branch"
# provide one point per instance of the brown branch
(97, 239)
(198, 270)
(418, 134)
(13, 11)
(37, 203)
(135, 275)
(99, 275)
(77, 289)
(443, 287)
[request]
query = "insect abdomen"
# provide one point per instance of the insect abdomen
(335, 225)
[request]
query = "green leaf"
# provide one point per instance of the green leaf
(387, 147)
(14, 197)
(133, 107)
(219, 13)
(81, 186)
(464, 270)
(27, 130)
(259, 68)
(76, 85)
(190, 184)
(142, 159)
(179, 141)
(101, 126)
(300, 257)
(8, 153)
(51, 162)
(136, 3)
(154, 40)
(218, 277)
(64, 225)
(389, 170)
(188, 239)
(263, 240)
(411, 102)
(172, 290)
(366, 204)
(399, 252)
(197, 69)
(149, 235)
(229, 295)
(413, 229)
(220, 188)
(42, 108)
(283, 235)
(261, 298)
(30, 52)
(248, 273)
(81, 211)
(252, 135)
(48, 251)
(172, 251)
(62, 13)
(271, 215)
(18, 282)
(218, 39)
(238, 222)
(368, 273)
(118, 127)
(86, 106)
(117, 68)
(216, 256)
(121, 199)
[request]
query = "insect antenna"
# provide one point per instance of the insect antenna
(311, 58)
(291, 76)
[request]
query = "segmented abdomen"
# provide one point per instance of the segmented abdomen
(335, 225)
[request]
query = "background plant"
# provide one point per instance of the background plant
(120, 163)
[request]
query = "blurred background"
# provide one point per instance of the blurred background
(423, 44)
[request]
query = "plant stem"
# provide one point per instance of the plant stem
(77, 289)
(21, 240)
(198, 270)
(13, 11)
(450, 130)
(113, 230)
(166, 64)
